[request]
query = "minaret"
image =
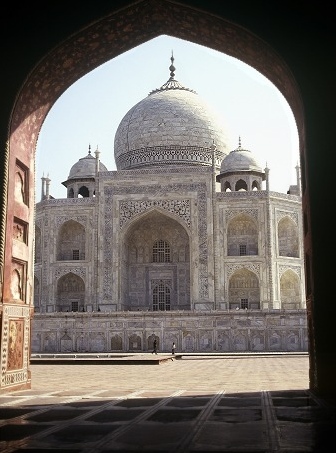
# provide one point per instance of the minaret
(47, 180)
(298, 179)
(43, 179)
(97, 154)
(266, 170)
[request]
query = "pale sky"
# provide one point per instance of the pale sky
(89, 112)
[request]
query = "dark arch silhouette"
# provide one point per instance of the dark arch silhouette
(210, 25)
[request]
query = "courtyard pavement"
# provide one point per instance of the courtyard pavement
(188, 403)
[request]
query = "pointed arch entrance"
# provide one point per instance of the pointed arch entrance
(72, 59)
(156, 264)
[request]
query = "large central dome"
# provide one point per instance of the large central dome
(172, 125)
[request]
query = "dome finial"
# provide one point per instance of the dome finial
(172, 67)
(239, 142)
(171, 84)
(90, 150)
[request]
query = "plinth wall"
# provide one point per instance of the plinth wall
(192, 331)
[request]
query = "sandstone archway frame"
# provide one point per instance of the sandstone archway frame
(64, 65)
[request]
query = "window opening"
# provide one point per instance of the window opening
(75, 254)
(74, 306)
(242, 250)
(161, 252)
(243, 303)
(161, 298)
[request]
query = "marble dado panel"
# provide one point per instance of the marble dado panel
(190, 324)
(116, 325)
(173, 323)
(135, 324)
(223, 322)
(206, 323)
(152, 324)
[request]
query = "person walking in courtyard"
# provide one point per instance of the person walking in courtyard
(173, 348)
(154, 346)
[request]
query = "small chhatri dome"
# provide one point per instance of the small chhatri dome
(85, 167)
(172, 125)
(240, 160)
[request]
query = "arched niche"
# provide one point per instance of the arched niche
(242, 236)
(71, 241)
(244, 290)
(288, 238)
(290, 290)
(70, 293)
(155, 257)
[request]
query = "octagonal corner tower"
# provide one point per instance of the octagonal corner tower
(172, 125)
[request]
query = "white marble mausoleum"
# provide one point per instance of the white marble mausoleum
(183, 242)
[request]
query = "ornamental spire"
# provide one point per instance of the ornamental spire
(171, 84)
(172, 67)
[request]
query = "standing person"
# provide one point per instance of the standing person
(154, 346)
(173, 348)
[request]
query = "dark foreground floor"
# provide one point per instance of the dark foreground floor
(195, 404)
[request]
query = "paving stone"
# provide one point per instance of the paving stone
(236, 405)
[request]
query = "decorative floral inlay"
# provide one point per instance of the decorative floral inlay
(127, 209)
(292, 215)
(296, 269)
(66, 270)
(234, 212)
(255, 268)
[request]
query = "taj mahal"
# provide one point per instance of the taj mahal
(184, 242)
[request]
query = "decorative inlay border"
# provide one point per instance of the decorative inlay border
(81, 272)
(128, 209)
(231, 268)
(59, 220)
(262, 194)
(171, 155)
(21, 311)
(67, 201)
(129, 174)
(284, 268)
(292, 215)
(156, 282)
(230, 213)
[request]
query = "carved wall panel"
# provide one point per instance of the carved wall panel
(15, 344)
